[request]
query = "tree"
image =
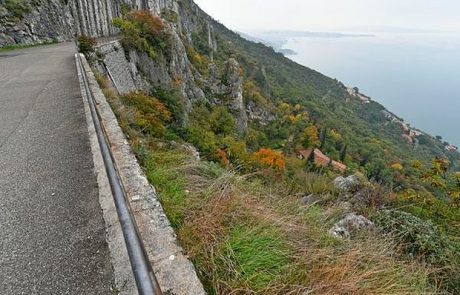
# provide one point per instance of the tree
(323, 137)
(310, 137)
(343, 153)
(268, 158)
(222, 122)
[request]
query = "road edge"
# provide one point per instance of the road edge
(123, 276)
(175, 273)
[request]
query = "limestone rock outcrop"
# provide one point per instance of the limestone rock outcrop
(47, 20)
(347, 184)
(351, 224)
(62, 20)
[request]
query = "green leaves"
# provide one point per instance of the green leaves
(418, 238)
(143, 31)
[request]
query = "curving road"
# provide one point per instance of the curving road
(52, 235)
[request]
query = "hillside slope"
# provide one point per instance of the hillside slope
(220, 125)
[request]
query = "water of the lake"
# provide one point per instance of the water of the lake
(414, 75)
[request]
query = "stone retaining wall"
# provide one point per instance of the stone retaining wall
(175, 273)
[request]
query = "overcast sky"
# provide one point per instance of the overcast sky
(335, 15)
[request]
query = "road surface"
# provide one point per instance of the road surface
(52, 235)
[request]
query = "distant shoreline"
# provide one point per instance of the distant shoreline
(277, 39)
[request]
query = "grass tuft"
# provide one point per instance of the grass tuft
(22, 46)
(248, 234)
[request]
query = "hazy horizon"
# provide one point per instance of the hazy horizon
(410, 74)
(336, 15)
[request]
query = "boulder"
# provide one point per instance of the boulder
(192, 151)
(350, 225)
(307, 200)
(347, 184)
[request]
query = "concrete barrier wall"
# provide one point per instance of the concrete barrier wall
(175, 273)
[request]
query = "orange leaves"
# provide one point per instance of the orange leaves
(148, 105)
(149, 23)
(222, 156)
(150, 114)
(268, 158)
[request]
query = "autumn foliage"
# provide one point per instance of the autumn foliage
(311, 136)
(147, 22)
(268, 158)
(143, 31)
(149, 114)
(222, 157)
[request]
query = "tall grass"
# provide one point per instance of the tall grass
(242, 241)
(248, 234)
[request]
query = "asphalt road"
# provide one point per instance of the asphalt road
(52, 235)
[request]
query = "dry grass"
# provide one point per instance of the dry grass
(367, 267)
(247, 235)
(233, 221)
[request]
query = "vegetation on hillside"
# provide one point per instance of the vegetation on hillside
(236, 210)
(17, 8)
(247, 233)
(21, 46)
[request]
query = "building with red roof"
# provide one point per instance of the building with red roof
(321, 159)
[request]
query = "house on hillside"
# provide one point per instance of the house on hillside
(321, 159)
(354, 92)
(414, 133)
(451, 148)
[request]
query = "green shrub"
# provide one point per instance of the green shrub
(86, 44)
(149, 114)
(17, 7)
(422, 239)
(142, 31)
(222, 121)
(174, 101)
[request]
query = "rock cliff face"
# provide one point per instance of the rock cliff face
(46, 20)
(62, 20)
(227, 90)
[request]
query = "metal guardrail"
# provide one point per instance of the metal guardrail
(146, 281)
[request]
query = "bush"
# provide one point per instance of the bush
(268, 158)
(143, 31)
(86, 44)
(421, 239)
(149, 24)
(150, 114)
(174, 101)
(17, 7)
(222, 121)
